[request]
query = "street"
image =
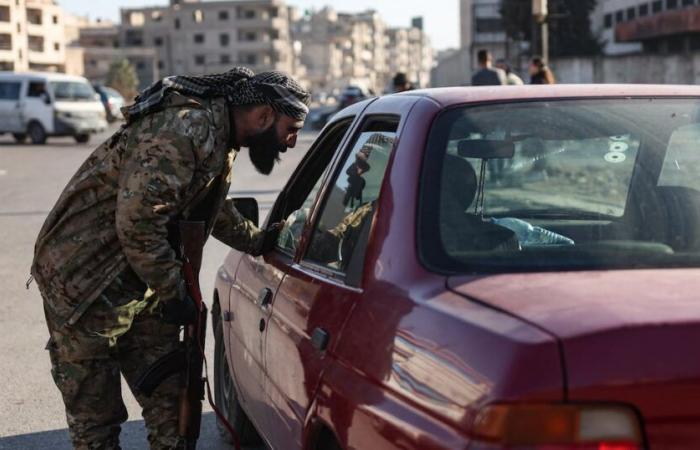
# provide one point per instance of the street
(31, 178)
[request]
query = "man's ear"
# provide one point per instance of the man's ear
(266, 117)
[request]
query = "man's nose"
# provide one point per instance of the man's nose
(292, 140)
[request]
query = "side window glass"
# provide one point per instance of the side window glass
(304, 192)
(36, 89)
(9, 90)
(340, 236)
(681, 164)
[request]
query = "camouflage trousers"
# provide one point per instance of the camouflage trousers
(86, 367)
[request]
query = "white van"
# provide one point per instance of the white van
(38, 105)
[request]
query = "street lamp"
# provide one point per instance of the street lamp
(540, 35)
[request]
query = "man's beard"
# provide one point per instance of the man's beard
(264, 149)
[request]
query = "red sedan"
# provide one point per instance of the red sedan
(477, 268)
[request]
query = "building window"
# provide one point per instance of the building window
(246, 13)
(657, 6)
(199, 38)
(225, 59)
(140, 65)
(224, 39)
(177, 23)
(198, 16)
(93, 62)
(156, 16)
(4, 13)
(274, 12)
(608, 20)
(620, 16)
(36, 43)
(55, 20)
(247, 36)
(631, 13)
(136, 19)
(688, 2)
(57, 46)
(19, 54)
(274, 34)
(199, 60)
(643, 10)
(134, 38)
(161, 65)
(671, 4)
(158, 41)
(36, 89)
(223, 15)
(34, 16)
(250, 59)
(489, 25)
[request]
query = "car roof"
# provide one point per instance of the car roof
(50, 76)
(452, 96)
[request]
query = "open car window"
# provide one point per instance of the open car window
(298, 198)
(340, 235)
(562, 185)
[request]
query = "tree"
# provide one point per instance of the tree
(122, 77)
(569, 25)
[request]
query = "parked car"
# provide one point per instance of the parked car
(38, 105)
(353, 94)
(518, 269)
(112, 101)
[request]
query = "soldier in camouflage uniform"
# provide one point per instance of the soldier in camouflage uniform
(113, 293)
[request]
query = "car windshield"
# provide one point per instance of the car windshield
(561, 185)
(72, 90)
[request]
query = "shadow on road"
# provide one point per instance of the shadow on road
(133, 437)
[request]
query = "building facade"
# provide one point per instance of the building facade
(193, 37)
(32, 36)
(646, 26)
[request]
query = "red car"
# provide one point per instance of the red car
(477, 268)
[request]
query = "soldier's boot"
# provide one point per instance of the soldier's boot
(91, 390)
(149, 339)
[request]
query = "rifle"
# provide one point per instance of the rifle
(189, 359)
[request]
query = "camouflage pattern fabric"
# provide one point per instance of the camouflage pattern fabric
(115, 211)
(86, 367)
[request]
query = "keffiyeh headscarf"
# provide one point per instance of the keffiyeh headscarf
(239, 86)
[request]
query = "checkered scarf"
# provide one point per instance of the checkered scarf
(240, 86)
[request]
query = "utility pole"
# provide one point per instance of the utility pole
(540, 31)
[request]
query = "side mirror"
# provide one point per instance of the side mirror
(248, 207)
(486, 149)
(46, 97)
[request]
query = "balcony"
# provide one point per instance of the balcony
(664, 24)
(5, 41)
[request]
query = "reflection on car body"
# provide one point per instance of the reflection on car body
(461, 268)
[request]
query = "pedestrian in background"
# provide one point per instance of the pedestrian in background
(540, 73)
(488, 75)
(511, 78)
(401, 83)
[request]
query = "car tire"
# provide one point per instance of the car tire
(37, 134)
(226, 397)
(82, 138)
(20, 138)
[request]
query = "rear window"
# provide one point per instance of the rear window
(9, 90)
(72, 90)
(563, 185)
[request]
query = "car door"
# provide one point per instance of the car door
(320, 288)
(37, 104)
(257, 278)
(10, 106)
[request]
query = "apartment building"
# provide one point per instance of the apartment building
(31, 35)
(341, 49)
(198, 37)
(658, 26)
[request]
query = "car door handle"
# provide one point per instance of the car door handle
(265, 298)
(320, 339)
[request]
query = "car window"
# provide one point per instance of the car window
(562, 185)
(72, 90)
(305, 190)
(9, 90)
(36, 89)
(340, 235)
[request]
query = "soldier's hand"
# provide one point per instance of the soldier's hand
(180, 312)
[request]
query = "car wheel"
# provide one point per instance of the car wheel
(20, 137)
(37, 134)
(82, 138)
(226, 397)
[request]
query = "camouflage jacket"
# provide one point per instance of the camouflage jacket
(116, 210)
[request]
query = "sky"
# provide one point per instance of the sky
(441, 17)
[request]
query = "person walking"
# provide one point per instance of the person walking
(540, 73)
(400, 83)
(106, 261)
(487, 75)
(511, 78)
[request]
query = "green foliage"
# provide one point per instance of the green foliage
(122, 77)
(569, 25)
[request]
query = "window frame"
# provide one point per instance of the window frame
(337, 276)
(278, 212)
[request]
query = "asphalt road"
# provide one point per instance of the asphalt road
(31, 178)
